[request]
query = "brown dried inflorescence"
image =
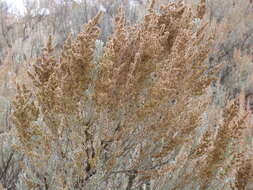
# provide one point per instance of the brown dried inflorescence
(50, 121)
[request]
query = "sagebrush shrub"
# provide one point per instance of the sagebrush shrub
(83, 123)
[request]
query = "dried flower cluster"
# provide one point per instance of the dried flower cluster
(49, 120)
